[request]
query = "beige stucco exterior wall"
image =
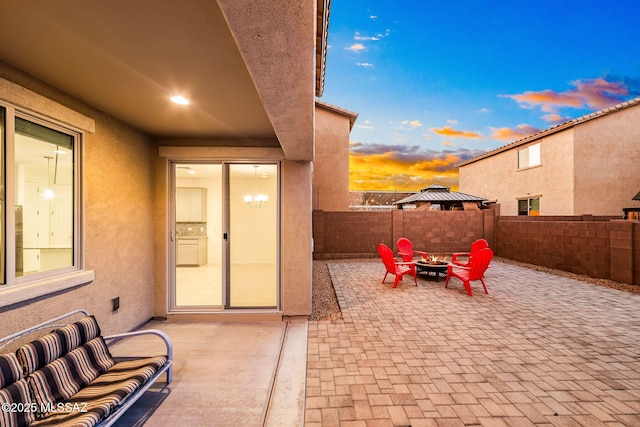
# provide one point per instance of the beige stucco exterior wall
(331, 163)
(296, 256)
(498, 177)
(607, 158)
(118, 233)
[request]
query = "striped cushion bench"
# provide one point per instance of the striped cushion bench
(68, 377)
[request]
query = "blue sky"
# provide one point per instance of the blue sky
(435, 83)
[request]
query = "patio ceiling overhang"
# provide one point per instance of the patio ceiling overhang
(247, 66)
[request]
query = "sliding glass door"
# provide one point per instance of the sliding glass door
(198, 260)
(225, 232)
(253, 235)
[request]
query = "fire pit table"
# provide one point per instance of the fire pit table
(432, 269)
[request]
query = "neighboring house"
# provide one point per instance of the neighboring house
(199, 211)
(331, 163)
(440, 198)
(633, 213)
(375, 200)
(586, 166)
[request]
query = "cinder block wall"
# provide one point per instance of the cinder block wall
(570, 244)
(357, 234)
(600, 247)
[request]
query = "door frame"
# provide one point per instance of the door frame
(172, 307)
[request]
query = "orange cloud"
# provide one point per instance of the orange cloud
(402, 167)
(449, 131)
(554, 118)
(509, 134)
(594, 94)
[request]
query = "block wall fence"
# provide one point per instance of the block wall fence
(600, 247)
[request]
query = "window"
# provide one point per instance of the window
(529, 156)
(529, 207)
(40, 221)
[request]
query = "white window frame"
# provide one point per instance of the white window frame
(529, 156)
(19, 289)
(529, 200)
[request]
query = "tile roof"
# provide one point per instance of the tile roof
(350, 114)
(554, 129)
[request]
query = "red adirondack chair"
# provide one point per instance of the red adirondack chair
(475, 247)
(474, 270)
(406, 252)
(395, 267)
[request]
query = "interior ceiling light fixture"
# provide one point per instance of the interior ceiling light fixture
(180, 100)
(48, 193)
(256, 200)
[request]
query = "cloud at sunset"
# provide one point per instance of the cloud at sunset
(554, 118)
(512, 134)
(450, 132)
(594, 94)
(403, 167)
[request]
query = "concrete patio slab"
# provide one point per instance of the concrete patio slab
(225, 374)
(538, 350)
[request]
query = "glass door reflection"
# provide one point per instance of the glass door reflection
(253, 236)
(198, 243)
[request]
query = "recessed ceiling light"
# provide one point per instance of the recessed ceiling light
(181, 100)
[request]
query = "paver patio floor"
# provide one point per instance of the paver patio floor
(538, 350)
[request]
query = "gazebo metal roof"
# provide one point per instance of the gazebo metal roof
(636, 197)
(438, 193)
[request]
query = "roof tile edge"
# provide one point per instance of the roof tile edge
(552, 130)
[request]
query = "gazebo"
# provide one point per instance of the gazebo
(633, 213)
(438, 197)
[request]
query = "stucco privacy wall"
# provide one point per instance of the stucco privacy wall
(118, 235)
(607, 155)
(498, 178)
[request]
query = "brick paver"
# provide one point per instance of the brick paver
(538, 350)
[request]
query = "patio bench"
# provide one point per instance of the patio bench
(68, 377)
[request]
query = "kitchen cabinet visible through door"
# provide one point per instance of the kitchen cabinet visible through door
(197, 232)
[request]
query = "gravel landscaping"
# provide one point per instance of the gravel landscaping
(325, 304)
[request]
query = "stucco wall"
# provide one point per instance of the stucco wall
(607, 155)
(295, 226)
(118, 232)
(331, 162)
(296, 263)
(498, 177)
